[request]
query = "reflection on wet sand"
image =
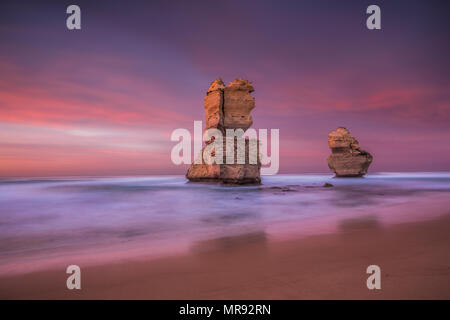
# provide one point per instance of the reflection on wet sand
(257, 240)
(367, 223)
(414, 261)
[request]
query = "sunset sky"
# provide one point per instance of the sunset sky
(104, 100)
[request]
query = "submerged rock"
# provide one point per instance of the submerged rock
(347, 159)
(228, 107)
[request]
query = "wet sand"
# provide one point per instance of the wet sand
(414, 259)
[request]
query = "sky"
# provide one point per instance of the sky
(105, 99)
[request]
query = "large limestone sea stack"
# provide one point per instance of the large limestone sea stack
(347, 159)
(228, 107)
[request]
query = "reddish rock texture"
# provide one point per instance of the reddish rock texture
(214, 105)
(238, 104)
(246, 173)
(228, 107)
(347, 159)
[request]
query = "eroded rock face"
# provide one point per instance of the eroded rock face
(347, 159)
(228, 107)
(214, 105)
(238, 104)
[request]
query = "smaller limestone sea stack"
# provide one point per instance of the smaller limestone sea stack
(228, 107)
(347, 159)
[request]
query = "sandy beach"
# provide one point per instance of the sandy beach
(414, 260)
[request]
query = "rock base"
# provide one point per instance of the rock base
(225, 173)
(234, 173)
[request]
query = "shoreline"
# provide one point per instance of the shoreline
(386, 215)
(414, 260)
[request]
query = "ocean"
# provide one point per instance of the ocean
(83, 220)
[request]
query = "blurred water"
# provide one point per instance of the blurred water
(50, 217)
